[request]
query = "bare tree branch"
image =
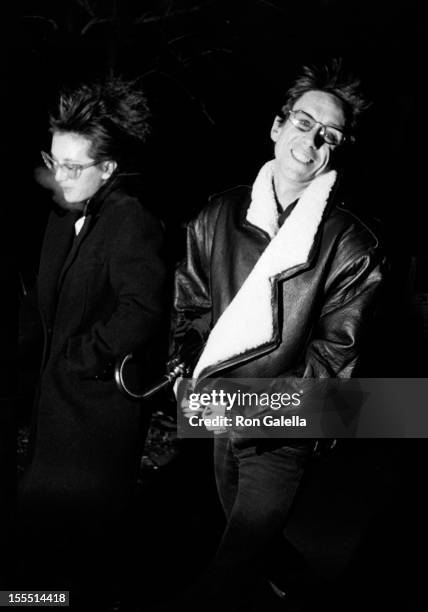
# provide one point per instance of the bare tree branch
(143, 19)
(205, 53)
(96, 21)
(51, 22)
(87, 6)
(216, 50)
(192, 97)
(169, 7)
(178, 38)
(272, 5)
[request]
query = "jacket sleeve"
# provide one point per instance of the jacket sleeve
(347, 317)
(137, 280)
(337, 341)
(192, 317)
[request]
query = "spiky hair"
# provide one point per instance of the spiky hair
(113, 115)
(332, 78)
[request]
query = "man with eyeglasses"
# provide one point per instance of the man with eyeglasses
(280, 281)
(101, 295)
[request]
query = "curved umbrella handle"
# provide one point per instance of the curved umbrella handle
(179, 370)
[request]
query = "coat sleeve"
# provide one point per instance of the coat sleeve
(347, 317)
(137, 280)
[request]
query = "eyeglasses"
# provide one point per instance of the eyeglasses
(305, 123)
(71, 169)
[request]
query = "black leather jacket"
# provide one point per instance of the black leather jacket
(322, 309)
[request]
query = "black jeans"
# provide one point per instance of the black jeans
(257, 482)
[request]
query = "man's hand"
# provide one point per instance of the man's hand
(207, 413)
(211, 411)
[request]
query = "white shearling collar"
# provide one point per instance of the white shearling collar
(248, 322)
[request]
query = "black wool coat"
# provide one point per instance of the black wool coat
(101, 295)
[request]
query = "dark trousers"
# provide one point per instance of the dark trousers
(257, 482)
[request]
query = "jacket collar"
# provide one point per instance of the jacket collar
(262, 211)
(96, 201)
(119, 180)
(250, 323)
(92, 212)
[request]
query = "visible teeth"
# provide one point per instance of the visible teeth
(301, 157)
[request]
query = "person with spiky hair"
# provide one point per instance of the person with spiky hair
(280, 281)
(101, 295)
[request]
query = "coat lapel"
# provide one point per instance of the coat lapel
(92, 214)
(58, 240)
(77, 241)
(249, 324)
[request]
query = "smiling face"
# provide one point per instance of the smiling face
(302, 156)
(71, 148)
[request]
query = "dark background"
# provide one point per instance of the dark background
(215, 73)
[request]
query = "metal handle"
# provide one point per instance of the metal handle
(179, 370)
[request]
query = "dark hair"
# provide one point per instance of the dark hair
(334, 79)
(112, 114)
